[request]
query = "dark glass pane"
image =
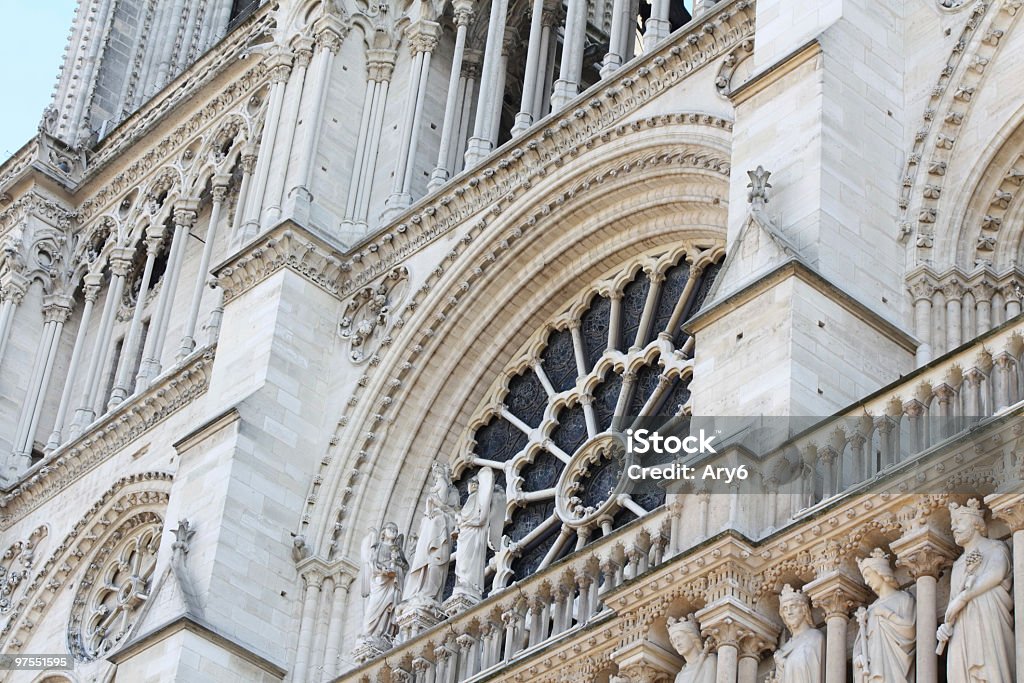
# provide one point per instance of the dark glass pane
(526, 398)
(634, 296)
(542, 473)
(600, 482)
(622, 518)
(529, 560)
(559, 360)
(606, 395)
(649, 495)
(527, 518)
(571, 431)
(499, 440)
(594, 329)
(677, 395)
(671, 290)
(646, 381)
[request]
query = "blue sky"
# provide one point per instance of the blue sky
(32, 38)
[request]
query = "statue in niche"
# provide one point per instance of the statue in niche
(701, 664)
(884, 649)
(801, 659)
(429, 566)
(382, 575)
(480, 524)
(978, 626)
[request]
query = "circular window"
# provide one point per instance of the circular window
(553, 428)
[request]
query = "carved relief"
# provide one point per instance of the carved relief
(371, 314)
(16, 565)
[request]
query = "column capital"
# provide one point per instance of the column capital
(120, 260)
(313, 578)
(1009, 507)
(464, 12)
(422, 36)
(380, 64)
(219, 186)
(280, 66)
(836, 593)
(645, 662)
(57, 307)
(303, 52)
(924, 552)
(729, 621)
(185, 214)
(329, 32)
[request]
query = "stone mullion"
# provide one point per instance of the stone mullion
(621, 26)
(567, 86)
(280, 154)
(92, 290)
(835, 594)
(677, 313)
(482, 141)
(55, 310)
(11, 296)
(442, 171)
(336, 624)
(524, 119)
(219, 192)
(120, 260)
(280, 66)
(149, 368)
(129, 350)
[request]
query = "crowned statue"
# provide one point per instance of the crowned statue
(701, 665)
(884, 649)
(978, 625)
(801, 658)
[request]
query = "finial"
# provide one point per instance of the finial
(758, 193)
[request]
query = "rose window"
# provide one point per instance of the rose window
(553, 427)
(113, 590)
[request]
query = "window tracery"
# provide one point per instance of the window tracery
(550, 427)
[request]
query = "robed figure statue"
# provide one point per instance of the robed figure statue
(978, 627)
(801, 659)
(480, 524)
(884, 649)
(382, 573)
(428, 570)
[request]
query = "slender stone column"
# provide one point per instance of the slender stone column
(541, 90)
(456, 82)
(422, 41)
(219, 191)
(658, 26)
(248, 163)
(282, 149)
(482, 142)
(524, 119)
(568, 84)
(922, 291)
(380, 64)
(300, 176)
(120, 261)
(835, 593)
(954, 292)
(1009, 507)
(621, 25)
(56, 309)
(313, 580)
(280, 66)
(1011, 292)
(184, 218)
(471, 76)
(336, 625)
(92, 292)
(11, 295)
(123, 378)
(925, 553)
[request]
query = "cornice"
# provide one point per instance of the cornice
(106, 437)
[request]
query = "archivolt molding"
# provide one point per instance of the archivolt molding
(947, 109)
(422, 325)
(140, 496)
(107, 437)
(16, 565)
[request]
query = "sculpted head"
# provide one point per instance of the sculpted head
(967, 521)
(474, 484)
(685, 636)
(389, 533)
(795, 609)
(877, 572)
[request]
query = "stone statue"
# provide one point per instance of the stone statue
(701, 665)
(480, 524)
(978, 626)
(429, 567)
(884, 649)
(801, 659)
(383, 572)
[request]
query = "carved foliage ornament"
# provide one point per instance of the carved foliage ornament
(15, 566)
(371, 314)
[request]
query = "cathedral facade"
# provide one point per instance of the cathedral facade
(327, 328)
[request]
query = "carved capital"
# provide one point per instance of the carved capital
(924, 552)
(120, 261)
(836, 594)
(731, 622)
(1008, 507)
(185, 216)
